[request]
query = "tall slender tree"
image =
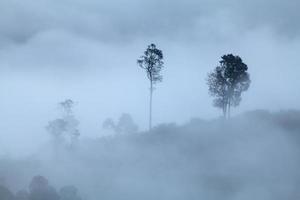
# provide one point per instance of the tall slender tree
(152, 63)
(227, 82)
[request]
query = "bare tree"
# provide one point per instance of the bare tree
(152, 63)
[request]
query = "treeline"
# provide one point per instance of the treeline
(40, 189)
(201, 159)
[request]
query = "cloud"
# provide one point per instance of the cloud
(127, 20)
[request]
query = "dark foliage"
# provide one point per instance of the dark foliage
(152, 62)
(227, 82)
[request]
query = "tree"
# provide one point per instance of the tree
(66, 126)
(56, 128)
(227, 82)
(70, 120)
(22, 195)
(39, 189)
(38, 182)
(152, 63)
(67, 106)
(125, 124)
(69, 193)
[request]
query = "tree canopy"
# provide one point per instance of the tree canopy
(152, 62)
(227, 82)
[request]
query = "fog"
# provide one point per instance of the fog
(255, 155)
(87, 51)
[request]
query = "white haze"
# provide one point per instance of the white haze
(105, 81)
(86, 50)
(254, 155)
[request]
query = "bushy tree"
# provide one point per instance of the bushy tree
(125, 124)
(69, 193)
(152, 63)
(227, 82)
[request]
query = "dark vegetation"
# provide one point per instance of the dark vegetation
(227, 82)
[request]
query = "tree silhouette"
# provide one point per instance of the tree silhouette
(22, 195)
(39, 189)
(67, 125)
(227, 82)
(152, 63)
(69, 193)
(56, 128)
(125, 124)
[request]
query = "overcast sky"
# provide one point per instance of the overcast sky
(86, 50)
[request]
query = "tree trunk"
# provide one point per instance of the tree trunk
(229, 107)
(150, 106)
(225, 105)
(224, 110)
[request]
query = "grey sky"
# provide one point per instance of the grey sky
(122, 20)
(87, 50)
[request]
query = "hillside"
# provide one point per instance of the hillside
(255, 155)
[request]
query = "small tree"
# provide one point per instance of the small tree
(125, 125)
(152, 63)
(227, 82)
(66, 126)
(39, 189)
(56, 128)
(22, 195)
(69, 193)
(67, 106)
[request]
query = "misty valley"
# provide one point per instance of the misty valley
(149, 100)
